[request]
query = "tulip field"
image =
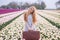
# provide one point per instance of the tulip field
(48, 23)
(3, 11)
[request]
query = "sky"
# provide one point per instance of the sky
(50, 3)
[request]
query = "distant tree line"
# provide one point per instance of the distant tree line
(58, 4)
(14, 5)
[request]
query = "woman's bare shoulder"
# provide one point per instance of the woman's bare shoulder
(25, 12)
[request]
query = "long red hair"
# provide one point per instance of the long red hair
(31, 10)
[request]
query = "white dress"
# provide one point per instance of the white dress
(29, 23)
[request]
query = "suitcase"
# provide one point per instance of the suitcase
(31, 35)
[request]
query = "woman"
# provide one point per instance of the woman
(30, 19)
(30, 33)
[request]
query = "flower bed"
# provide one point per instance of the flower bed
(3, 11)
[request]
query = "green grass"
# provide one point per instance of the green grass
(6, 23)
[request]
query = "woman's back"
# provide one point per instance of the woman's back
(30, 18)
(29, 23)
